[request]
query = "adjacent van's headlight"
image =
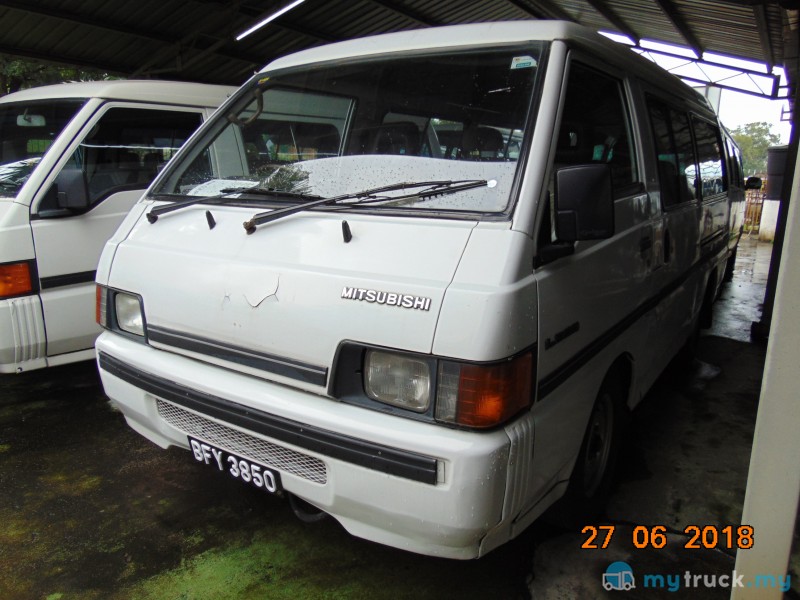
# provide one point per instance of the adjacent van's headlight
(119, 311)
(398, 380)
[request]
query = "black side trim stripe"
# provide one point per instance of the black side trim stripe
(67, 279)
(257, 360)
(377, 457)
(563, 372)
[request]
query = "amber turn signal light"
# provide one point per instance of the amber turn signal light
(483, 396)
(15, 280)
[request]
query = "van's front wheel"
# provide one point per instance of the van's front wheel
(598, 444)
(593, 474)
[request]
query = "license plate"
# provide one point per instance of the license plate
(237, 467)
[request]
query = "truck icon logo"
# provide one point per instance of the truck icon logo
(619, 576)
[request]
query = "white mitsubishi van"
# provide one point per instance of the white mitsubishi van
(73, 160)
(416, 281)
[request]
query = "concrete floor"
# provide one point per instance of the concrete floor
(90, 510)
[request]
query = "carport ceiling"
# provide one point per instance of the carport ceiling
(194, 39)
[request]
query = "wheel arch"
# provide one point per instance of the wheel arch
(622, 370)
(710, 294)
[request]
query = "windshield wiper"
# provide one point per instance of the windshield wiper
(432, 189)
(154, 213)
(272, 192)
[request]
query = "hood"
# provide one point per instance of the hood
(292, 291)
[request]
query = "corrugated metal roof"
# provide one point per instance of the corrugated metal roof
(194, 39)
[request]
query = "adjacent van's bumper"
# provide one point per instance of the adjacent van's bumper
(22, 336)
(411, 485)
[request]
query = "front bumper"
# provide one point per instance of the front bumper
(411, 485)
(22, 335)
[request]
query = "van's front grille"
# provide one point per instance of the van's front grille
(244, 444)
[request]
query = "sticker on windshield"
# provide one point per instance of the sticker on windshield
(523, 62)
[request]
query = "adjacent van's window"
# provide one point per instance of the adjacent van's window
(27, 130)
(595, 126)
(677, 165)
(350, 126)
(126, 149)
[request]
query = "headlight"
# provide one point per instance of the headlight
(129, 313)
(119, 311)
(398, 380)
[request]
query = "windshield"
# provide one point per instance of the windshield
(27, 130)
(329, 130)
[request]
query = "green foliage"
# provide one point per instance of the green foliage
(754, 139)
(20, 73)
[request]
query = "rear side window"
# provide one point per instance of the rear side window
(735, 162)
(710, 158)
(595, 126)
(677, 164)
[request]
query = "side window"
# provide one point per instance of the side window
(710, 158)
(128, 146)
(595, 126)
(686, 160)
(677, 167)
(735, 164)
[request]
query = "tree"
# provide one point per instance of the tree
(19, 73)
(754, 139)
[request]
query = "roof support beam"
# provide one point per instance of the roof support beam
(760, 14)
(413, 15)
(175, 48)
(83, 19)
(763, 85)
(542, 9)
(181, 63)
(680, 25)
(613, 18)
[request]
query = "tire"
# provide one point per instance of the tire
(590, 483)
(683, 362)
(730, 265)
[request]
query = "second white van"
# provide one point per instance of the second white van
(74, 158)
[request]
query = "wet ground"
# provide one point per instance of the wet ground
(90, 510)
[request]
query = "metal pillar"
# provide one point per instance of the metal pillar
(773, 483)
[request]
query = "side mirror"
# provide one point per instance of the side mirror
(753, 183)
(72, 192)
(583, 202)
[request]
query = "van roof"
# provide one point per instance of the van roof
(165, 92)
(498, 32)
